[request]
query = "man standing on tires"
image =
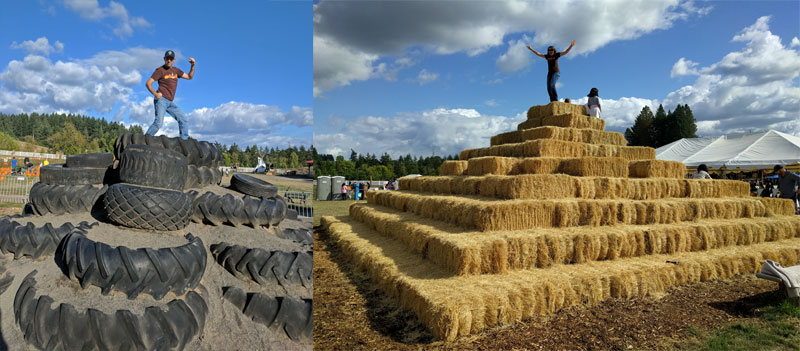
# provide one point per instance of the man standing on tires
(167, 77)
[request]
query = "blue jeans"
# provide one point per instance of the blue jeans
(552, 78)
(164, 105)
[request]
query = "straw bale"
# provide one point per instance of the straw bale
(569, 120)
(555, 108)
(495, 165)
(559, 148)
(578, 135)
(540, 165)
(561, 186)
(777, 206)
(489, 214)
(657, 169)
(473, 252)
(453, 168)
(452, 306)
(596, 166)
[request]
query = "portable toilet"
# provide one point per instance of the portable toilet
(336, 188)
(323, 188)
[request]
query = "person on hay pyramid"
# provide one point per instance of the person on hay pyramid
(167, 77)
(553, 72)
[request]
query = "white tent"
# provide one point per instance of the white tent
(756, 150)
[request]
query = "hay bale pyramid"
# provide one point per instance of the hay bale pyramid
(558, 213)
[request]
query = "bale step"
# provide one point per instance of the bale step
(576, 166)
(569, 120)
(562, 186)
(489, 214)
(555, 108)
(559, 148)
(473, 252)
(578, 135)
(452, 306)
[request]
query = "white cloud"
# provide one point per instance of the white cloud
(336, 65)
(37, 84)
(621, 113)
(232, 122)
(754, 88)
(39, 46)
(684, 67)
(91, 10)
(348, 40)
(425, 77)
(795, 42)
(517, 57)
(441, 131)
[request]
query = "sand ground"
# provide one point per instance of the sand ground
(226, 328)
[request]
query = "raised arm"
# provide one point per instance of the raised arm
(535, 52)
(191, 70)
(568, 49)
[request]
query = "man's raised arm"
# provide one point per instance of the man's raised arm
(535, 52)
(191, 70)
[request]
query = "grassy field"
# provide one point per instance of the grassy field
(332, 208)
(775, 327)
(283, 183)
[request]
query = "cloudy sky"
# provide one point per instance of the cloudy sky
(437, 77)
(252, 82)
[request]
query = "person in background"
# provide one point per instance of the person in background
(701, 173)
(593, 107)
(344, 191)
(13, 164)
(788, 183)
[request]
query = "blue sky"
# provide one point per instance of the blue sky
(253, 78)
(422, 78)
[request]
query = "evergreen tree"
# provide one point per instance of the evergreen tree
(641, 132)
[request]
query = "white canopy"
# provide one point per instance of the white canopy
(756, 150)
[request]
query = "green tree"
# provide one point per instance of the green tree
(641, 132)
(8, 142)
(69, 140)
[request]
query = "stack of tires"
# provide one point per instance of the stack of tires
(143, 188)
(203, 158)
(73, 187)
(150, 193)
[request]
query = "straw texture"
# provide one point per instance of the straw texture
(453, 168)
(559, 148)
(452, 306)
(488, 215)
(582, 135)
(656, 168)
(468, 252)
(561, 186)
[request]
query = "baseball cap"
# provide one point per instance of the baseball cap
(170, 54)
(776, 168)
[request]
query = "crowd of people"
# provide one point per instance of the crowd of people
(785, 184)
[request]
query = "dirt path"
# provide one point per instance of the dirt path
(351, 313)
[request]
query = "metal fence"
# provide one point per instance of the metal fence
(15, 188)
(299, 201)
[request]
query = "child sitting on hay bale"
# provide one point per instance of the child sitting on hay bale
(701, 173)
(593, 107)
